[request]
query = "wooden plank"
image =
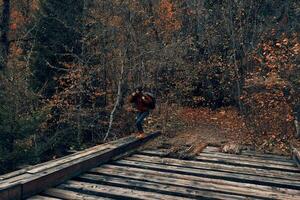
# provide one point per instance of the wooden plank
(66, 194)
(13, 174)
(38, 180)
(216, 166)
(221, 186)
(70, 158)
(248, 158)
(215, 174)
(227, 156)
(155, 187)
(247, 163)
(264, 155)
(161, 152)
(39, 197)
(211, 149)
(283, 161)
(116, 192)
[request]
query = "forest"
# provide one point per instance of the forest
(230, 67)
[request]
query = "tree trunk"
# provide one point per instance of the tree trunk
(118, 99)
(4, 33)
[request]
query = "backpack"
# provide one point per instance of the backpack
(151, 105)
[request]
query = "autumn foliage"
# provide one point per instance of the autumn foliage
(272, 92)
(233, 65)
(168, 19)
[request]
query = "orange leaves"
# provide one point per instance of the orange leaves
(278, 55)
(269, 109)
(296, 48)
(269, 115)
(116, 21)
(167, 20)
(289, 118)
(285, 41)
(17, 19)
(166, 8)
(68, 65)
(15, 49)
(13, 26)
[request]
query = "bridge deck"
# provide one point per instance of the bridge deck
(211, 175)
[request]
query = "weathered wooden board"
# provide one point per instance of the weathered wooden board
(46, 175)
(216, 166)
(214, 174)
(116, 192)
(53, 163)
(283, 160)
(14, 174)
(67, 194)
(155, 187)
(152, 175)
(199, 183)
(160, 152)
(228, 157)
(264, 155)
(211, 149)
(227, 160)
(39, 197)
(249, 158)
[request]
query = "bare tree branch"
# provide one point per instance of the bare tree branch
(119, 95)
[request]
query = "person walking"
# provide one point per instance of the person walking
(142, 103)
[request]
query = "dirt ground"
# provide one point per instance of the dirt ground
(186, 131)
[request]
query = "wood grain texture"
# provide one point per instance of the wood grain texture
(214, 174)
(156, 187)
(217, 167)
(116, 192)
(199, 183)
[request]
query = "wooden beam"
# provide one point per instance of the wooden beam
(52, 173)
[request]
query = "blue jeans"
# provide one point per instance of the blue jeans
(140, 117)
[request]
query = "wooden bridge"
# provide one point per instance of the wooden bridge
(118, 170)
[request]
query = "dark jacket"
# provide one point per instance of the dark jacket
(140, 101)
